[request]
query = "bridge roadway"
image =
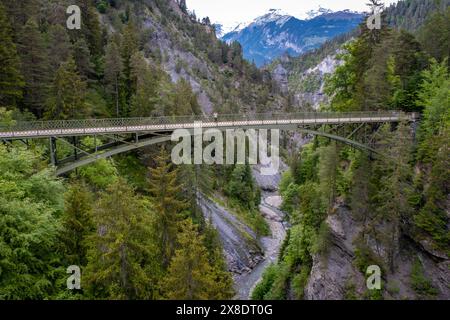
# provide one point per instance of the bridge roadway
(70, 128)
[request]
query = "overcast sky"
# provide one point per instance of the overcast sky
(230, 12)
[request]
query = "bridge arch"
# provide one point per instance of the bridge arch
(150, 131)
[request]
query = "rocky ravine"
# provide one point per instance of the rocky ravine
(334, 273)
(247, 255)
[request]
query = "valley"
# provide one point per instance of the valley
(88, 177)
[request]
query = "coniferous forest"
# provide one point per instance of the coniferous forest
(135, 223)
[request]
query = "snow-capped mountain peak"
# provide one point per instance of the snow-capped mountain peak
(315, 13)
(274, 15)
(276, 33)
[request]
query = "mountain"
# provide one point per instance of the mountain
(303, 76)
(275, 33)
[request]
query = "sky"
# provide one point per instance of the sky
(232, 12)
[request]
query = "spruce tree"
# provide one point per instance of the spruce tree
(77, 224)
(67, 99)
(113, 73)
(165, 191)
(35, 67)
(130, 45)
(11, 80)
(146, 81)
(123, 259)
(190, 275)
(59, 48)
(82, 56)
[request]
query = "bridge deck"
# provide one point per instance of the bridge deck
(61, 128)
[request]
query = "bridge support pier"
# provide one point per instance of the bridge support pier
(53, 155)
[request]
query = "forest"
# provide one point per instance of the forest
(403, 198)
(133, 223)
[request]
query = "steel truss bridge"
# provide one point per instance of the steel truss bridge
(116, 136)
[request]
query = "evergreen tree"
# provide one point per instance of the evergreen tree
(67, 99)
(11, 80)
(190, 275)
(31, 203)
(91, 30)
(329, 158)
(35, 67)
(77, 224)
(183, 6)
(243, 188)
(435, 34)
(165, 190)
(394, 188)
(19, 12)
(123, 260)
(113, 73)
(83, 59)
(184, 101)
(130, 45)
(146, 81)
(59, 48)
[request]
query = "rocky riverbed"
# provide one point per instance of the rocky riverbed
(245, 283)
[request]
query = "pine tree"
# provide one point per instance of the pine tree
(198, 180)
(184, 101)
(394, 188)
(130, 45)
(91, 30)
(31, 203)
(77, 224)
(19, 12)
(35, 67)
(146, 81)
(67, 99)
(328, 174)
(60, 48)
(113, 73)
(11, 80)
(190, 275)
(82, 56)
(165, 190)
(242, 187)
(123, 260)
(434, 35)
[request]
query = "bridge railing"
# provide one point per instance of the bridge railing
(136, 122)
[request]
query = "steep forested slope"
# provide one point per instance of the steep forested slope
(128, 222)
(304, 77)
(350, 211)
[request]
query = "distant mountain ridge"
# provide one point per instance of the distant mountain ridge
(275, 33)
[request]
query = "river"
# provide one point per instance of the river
(270, 209)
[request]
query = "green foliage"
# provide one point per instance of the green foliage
(420, 283)
(434, 35)
(243, 188)
(323, 240)
(6, 118)
(11, 80)
(379, 72)
(299, 281)
(67, 100)
(123, 255)
(30, 206)
(165, 189)
(190, 275)
(77, 224)
(100, 174)
(264, 286)
(364, 257)
(35, 67)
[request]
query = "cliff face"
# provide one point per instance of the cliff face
(334, 275)
(184, 48)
